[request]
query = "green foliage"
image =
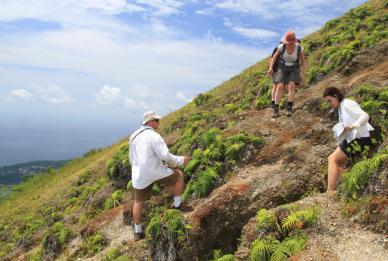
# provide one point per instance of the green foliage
(217, 256)
(129, 185)
(231, 107)
(373, 100)
(287, 224)
(118, 163)
(91, 245)
(172, 220)
(112, 254)
(342, 38)
(29, 226)
(353, 183)
(212, 152)
(272, 249)
(114, 199)
(59, 233)
(202, 99)
(35, 255)
(265, 219)
(204, 182)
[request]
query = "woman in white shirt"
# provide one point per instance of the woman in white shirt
(356, 133)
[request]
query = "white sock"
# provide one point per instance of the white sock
(177, 201)
(138, 228)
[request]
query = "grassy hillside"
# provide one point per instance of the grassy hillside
(328, 50)
(46, 212)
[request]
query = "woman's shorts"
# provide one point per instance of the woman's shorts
(284, 76)
(145, 193)
(274, 77)
(356, 147)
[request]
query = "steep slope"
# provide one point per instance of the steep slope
(243, 161)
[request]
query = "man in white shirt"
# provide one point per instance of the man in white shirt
(147, 150)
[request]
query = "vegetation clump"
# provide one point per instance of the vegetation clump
(281, 234)
(354, 182)
(118, 168)
(91, 246)
(171, 221)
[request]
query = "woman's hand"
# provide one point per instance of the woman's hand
(270, 71)
(347, 130)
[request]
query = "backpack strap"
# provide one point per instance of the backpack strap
(131, 140)
(298, 54)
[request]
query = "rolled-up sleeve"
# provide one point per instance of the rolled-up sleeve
(355, 109)
(161, 150)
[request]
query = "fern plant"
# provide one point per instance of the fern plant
(283, 230)
(353, 183)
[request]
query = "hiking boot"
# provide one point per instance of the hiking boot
(276, 112)
(289, 113)
(289, 109)
(183, 208)
(138, 236)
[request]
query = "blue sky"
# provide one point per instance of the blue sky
(81, 64)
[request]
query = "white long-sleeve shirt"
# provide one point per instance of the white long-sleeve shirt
(146, 152)
(351, 115)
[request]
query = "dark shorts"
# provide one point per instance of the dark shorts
(145, 193)
(356, 147)
(274, 77)
(284, 76)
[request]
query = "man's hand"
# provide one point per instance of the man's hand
(187, 159)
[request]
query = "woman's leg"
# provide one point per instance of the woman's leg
(279, 92)
(278, 95)
(291, 95)
(291, 91)
(334, 169)
(273, 93)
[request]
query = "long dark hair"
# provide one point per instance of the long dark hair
(333, 92)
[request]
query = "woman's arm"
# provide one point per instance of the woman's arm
(273, 60)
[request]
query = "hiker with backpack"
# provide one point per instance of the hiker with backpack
(147, 150)
(291, 70)
(274, 71)
(351, 132)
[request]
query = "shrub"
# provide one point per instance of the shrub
(202, 99)
(172, 219)
(91, 245)
(112, 254)
(118, 167)
(114, 199)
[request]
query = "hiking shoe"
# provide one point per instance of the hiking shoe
(289, 113)
(138, 236)
(275, 114)
(183, 208)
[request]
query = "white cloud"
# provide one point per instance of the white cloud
(54, 94)
(181, 96)
(255, 33)
(21, 94)
(17, 95)
(163, 7)
(109, 95)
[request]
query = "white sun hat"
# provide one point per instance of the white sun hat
(149, 116)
